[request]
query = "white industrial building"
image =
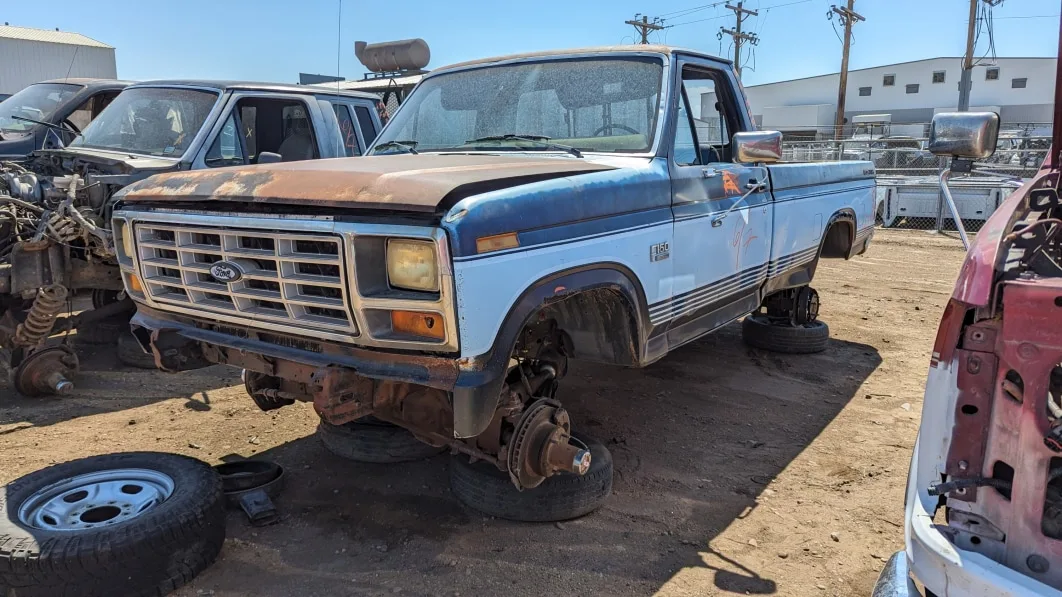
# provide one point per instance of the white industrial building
(30, 55)
(1020, 89)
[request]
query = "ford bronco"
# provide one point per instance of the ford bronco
(607, 204)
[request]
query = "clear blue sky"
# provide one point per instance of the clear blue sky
(274, 40)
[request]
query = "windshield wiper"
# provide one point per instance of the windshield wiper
(409, 146)
(542, 140)
(57, 127)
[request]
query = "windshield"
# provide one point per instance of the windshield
(158, 121)
(591, 104)
(37, 102)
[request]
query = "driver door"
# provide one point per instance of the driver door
(722, 209)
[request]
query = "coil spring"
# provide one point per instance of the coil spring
(40, 319)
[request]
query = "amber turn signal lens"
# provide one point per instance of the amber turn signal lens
(135, 285)
(498, 242)
(427, 325)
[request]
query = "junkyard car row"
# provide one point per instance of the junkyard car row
(56, 204)
(516, 213)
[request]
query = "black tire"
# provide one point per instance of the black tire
(564, 496)
(130, 353)
(102, 298)
(151, 554)
(372, 440)
(759, 332)
(102, 333)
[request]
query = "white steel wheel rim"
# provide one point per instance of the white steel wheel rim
(95, 500)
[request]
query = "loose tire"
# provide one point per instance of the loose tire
(155, 543)
(130, 353)
(372, 440)
(561, 497)
(759, 332)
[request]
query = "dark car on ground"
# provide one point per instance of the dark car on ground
(51, 114)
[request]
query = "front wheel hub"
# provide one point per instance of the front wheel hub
(806, 306)
(46, 371)
(541, 446)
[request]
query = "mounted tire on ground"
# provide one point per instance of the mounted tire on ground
(561, 497)
(133, 524)
(102, 333)
(371, 440)
(759, 332)
(130, 353)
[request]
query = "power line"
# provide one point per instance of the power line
(1029, 17)
(692, 9)
(766, 8)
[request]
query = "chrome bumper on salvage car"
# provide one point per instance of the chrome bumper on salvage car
(895, 580)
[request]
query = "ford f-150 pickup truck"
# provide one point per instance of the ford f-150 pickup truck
(607, 204)
(55, 204)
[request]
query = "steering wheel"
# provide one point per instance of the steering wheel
(609, 127)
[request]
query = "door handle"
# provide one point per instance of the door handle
(753, 185)
(709, 172)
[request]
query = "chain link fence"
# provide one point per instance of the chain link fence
(908, 193)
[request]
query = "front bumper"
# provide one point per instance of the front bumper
(181, 343)
(895, 581)
(934, 562)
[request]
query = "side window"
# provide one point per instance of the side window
(276, 125)
(83, 115)
(102, 101)
(685, 153)
(706, 112)
(346, 130)
(226, 149)
(368, 127)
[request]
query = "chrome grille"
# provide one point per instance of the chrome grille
(287, 278)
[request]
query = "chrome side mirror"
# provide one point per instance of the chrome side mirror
(970, 135)
(757, 146)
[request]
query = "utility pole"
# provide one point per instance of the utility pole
(847, 16)
(966, 79)
(644, 26)
(741, 14)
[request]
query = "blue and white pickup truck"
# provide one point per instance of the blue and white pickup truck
(607, 204)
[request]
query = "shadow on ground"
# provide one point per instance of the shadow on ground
(105, 385)
(696, 437)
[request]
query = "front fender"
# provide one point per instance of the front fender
(481, 377)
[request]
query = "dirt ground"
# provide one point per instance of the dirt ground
(737, 471)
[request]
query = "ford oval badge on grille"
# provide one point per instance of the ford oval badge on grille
(226, 272)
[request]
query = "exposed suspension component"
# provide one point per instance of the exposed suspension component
(40, 319)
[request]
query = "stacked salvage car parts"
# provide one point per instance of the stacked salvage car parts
(54, 241)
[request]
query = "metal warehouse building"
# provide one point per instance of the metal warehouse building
(31, 55)
(1020, 89)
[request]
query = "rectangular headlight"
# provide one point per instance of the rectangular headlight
(124, 236)
(412, 265)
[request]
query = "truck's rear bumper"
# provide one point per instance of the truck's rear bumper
(180, 343)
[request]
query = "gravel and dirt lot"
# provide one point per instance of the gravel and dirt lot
(737, 471)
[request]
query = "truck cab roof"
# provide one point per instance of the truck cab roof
(225, 85)
(590, 51)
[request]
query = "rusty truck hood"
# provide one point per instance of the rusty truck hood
(408, 182)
